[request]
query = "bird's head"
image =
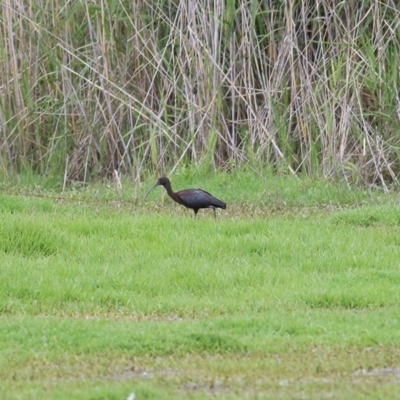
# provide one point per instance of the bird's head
(163, 181)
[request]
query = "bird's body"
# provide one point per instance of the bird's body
(190, 198)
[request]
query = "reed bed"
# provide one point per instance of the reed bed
(91, 89)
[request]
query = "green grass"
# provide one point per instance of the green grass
(292, 292)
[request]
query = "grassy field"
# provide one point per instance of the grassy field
(293, 292)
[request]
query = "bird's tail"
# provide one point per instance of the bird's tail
(219, 204)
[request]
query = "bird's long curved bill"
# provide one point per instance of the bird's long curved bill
(154, 186)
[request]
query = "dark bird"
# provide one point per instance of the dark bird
(190, 198)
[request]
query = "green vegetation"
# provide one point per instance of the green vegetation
(292, 292)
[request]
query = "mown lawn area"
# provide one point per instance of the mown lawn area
(293, 292)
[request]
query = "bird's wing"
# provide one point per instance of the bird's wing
(198, 198)
(193, 197)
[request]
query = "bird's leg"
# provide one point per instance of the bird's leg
(215, 214)
(195, 212)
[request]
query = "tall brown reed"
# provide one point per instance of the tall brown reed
(89, 88)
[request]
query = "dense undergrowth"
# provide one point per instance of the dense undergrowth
(99, 89)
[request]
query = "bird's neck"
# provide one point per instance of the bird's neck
(169, 190)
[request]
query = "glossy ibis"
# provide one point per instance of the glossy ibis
(190, 198)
